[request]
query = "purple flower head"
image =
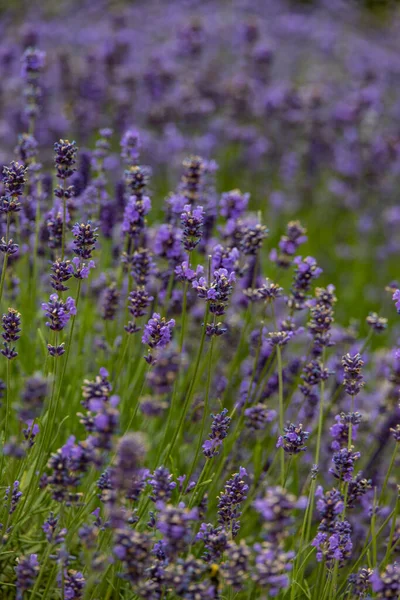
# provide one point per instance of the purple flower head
(184, 273)
(377, 323)
(360, 582)
(33, 62)
(306, 271)
(158, 332)
(293, 440)
(219, 431)
(336, 546)
(167, 244)
(258, 416)
(192, 222)
(216, 292)
(27, 570)
(110, 302)
(136, 209)
(230, 499)
(225, 258)
(340, 431)
(343, 461)
(276, 509)
(233, 204)
(11, 501)
(65, 154)
(329, 505)
(162, 484)
(173, 523)
(215, 541)
(58, 312)
(191, 186)
(85, 236)
(14, 180)
(387, 583)
(353, 379)
(271, 567)
(396, 299)
(235, 568)
(62, 271)
(81, 269)
(130, 146)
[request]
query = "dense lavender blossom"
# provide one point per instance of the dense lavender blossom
(229, 501)
(306, 271)
(387, 583)
(11, 328)
(353, 379)
(14, 179)
(289, 244)
(65, 152)
(11, 500)
(58, 312)
(192, 222)
(336, 546)
(271, 567)
(85, 236)
(26, 570)
(343, 461)
(219, 431)
(235, 567)
(162, 485)
(233, 204)
(360, 582)
(258, 416)
(217, 292)
(110, 302)
(292, 441)
(158, 331)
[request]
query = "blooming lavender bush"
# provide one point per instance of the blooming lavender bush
(200, 372)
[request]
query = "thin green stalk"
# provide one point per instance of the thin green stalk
(321, 415)
(205, 409)
(191, 388)
(8, 398)
(390, 546)
(5, 259)
(64, 225)
(281, 410)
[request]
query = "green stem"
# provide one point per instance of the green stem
(205, 409)
(64, 225)
(191, 388)
(321, 415)
(5, 259)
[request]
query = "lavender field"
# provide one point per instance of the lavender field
(200, 355)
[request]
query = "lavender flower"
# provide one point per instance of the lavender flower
(65, 158)
(192, 221)
(184, 273)
(158, 332)
(258, 416)
(110, 302)
(377, 323)
(11, 502)
(26, 570)
(353, 379)
(62, 271)
(387, 583)
(14, 179)
(229, 501)
(217, 292)
(58, 312)
(215, 541)
(340, 431)
(271, 567)
(306, 271)
(11, 328)
(235, 567)
(173, 524)
(336, 546)
(329, 505)
(162, 484)
(293, 439)
(289, 244)
(343, 461)
(219, 431)
(85, 236)
(360, 582)
(233, 204)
